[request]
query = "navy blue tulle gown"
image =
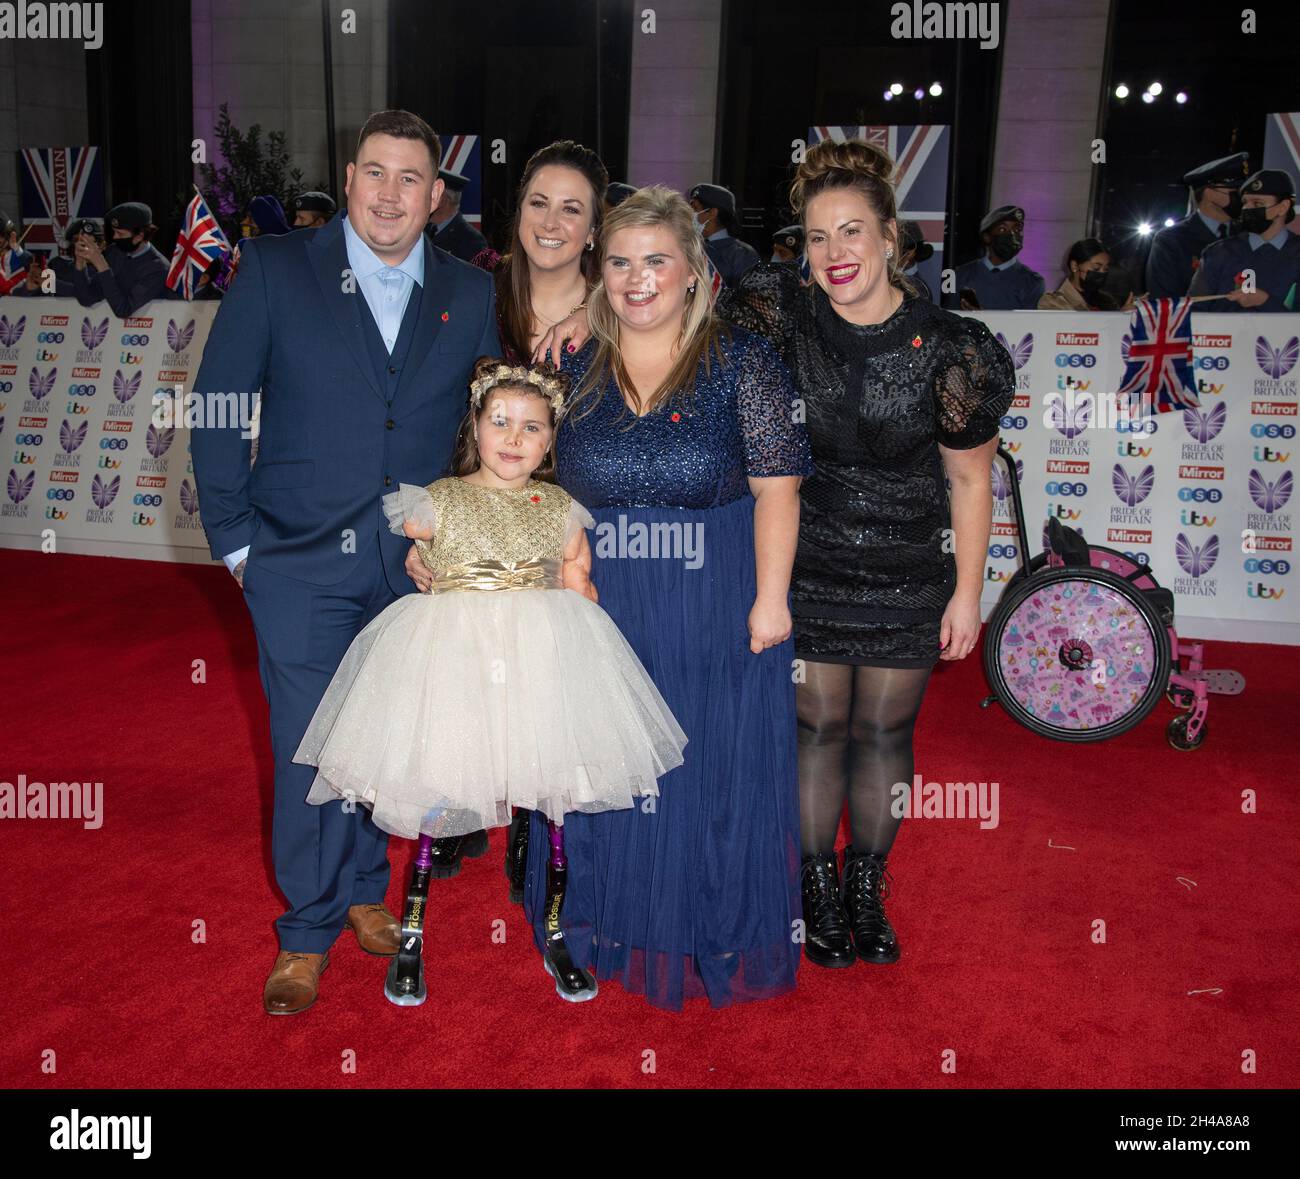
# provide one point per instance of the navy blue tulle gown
(695, 893)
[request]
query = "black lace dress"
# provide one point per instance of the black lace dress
(875, 566)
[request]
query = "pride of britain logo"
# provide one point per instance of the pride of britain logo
(1278, 366)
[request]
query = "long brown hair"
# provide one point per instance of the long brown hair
(856, 164)
(701, 331)
(464, 459)
(514, 291)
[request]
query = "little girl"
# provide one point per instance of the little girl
(506, 685)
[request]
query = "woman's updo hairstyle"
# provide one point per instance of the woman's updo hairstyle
(852, 163)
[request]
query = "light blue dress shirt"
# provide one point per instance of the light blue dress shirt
(387, 290)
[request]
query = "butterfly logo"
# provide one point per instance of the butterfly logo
(93, 336)
(1133, 489)
(39, 386)
(69, 438)
(124, 389)
(1021, 353)
(1002, 482)
(1270, 497)
(104, 493)
(178, 339)
(1205, 426)
(1071, 421)
(157, 441)
(20, 489)
(1196, 561)
(11, 333)
(189, 497)
(1277, 362)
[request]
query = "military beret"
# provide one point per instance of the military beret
(453, 180)
(6, 226)
(315, 202)
(618, 192)
(133, 215)
(1269, 182)
(1228, 170)
(713, 196)
(1002, 213)
(791, 236)
(83, 225)
(913, 239)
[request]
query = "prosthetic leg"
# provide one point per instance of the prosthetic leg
(405, 982)
(572, 983)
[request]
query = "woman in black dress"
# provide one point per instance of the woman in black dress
(898, 394)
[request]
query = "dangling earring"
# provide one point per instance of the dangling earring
(889, 253)
(691, 289)
(591, 244)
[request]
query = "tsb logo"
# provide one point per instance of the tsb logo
(1075, 360)
(1267, 565)
(1213, 363)
(1200, 495)
(1014, 422)
(1065, 489)
(1272, 430)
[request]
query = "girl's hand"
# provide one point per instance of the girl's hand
(960, 628)
(769, 624)
(415, 531)
(574, 329)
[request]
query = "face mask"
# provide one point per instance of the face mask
(1007, 245)
(123, 245)
(1254, 220)
(1093, 280)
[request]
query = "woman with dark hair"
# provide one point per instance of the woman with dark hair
(1087, 264)
(543, 279)
(898, 394)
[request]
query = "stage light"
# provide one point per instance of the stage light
(896, 88)
(1121, 91)
(889, 94)
(935, 89)
(918, 94)
(1169, 221)
(1156, 88)
(1180, 97)
(1148, 97)
(1144, 229)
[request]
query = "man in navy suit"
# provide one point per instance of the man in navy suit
(360, 336)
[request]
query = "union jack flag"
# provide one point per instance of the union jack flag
(1157, 352)
(199, 243)
(462, 154)
(13, 270)
(59, 186)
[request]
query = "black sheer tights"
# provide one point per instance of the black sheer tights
(855, 743)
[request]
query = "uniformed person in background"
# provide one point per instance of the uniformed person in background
(15, 263)
(1176, 250)
(715, 210)
(129, 272)
(61, 268)
(787, 244)
(1264, 247)
(915, 250)
(617, 193)
(998, 281)
(265, 218)
(447, 228)
(311, 210)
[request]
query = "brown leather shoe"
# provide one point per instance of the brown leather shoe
(376, 928)
(291, 988)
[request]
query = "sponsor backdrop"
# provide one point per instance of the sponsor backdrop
(79, 452)
(1201, 495)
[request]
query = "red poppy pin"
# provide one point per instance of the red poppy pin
(916, 341)
(676, 416)
(445, 317)
(535, 498)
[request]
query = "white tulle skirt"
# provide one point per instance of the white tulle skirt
(449, 709)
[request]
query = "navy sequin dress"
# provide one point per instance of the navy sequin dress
(695, 893)
(874, 573)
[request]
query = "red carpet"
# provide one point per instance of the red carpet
(999, 968)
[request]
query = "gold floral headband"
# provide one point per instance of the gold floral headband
(549, 386)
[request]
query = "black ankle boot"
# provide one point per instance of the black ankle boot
(826, 925)
(517, 854)
(866, 885)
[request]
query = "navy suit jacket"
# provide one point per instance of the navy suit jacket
(337, 430)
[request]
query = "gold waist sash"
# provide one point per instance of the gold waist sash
(500, 575)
